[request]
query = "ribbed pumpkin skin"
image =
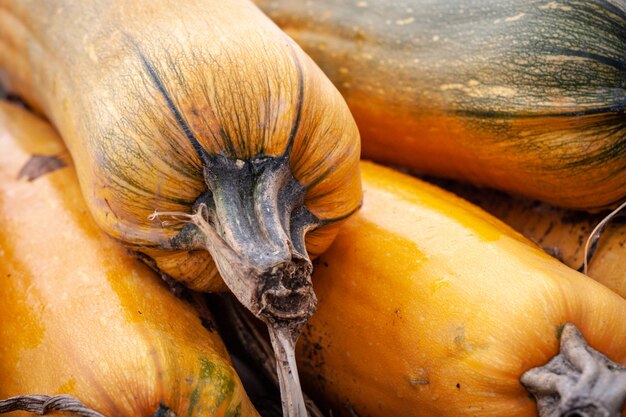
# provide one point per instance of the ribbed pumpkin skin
(429, 306)
(127, 83)
(562, 233)
(81, 317)
(525, 96)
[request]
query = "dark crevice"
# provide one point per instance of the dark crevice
(164, 411)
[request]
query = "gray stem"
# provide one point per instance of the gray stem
(43, 404)
(252, 221)
(578, 382)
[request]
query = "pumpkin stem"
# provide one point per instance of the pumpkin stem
(578, 382)
(44, 404)
(253, 220)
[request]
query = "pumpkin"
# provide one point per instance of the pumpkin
(203, 136)
(79, 315)
(561, 233)
(524, 96)
(429, 306)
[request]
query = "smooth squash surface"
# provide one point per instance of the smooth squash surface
(429, 306)
(562, 233)
(525, 96)
(78, 315)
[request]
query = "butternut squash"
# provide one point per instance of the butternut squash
(429, 306)
(203, 137)
(561, 233)
(524, 96)
(81, 317)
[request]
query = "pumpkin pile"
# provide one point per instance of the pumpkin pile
(163, 151)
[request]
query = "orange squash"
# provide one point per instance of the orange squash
(524, 96)
(562, 233)
(81, 317)
(166, 108)
(429, 306)
(203, 137)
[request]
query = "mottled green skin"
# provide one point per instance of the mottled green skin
(527, 96)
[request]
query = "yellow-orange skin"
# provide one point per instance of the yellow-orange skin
(81, 317)
(235, 79)
(429, 306)
(562, 233)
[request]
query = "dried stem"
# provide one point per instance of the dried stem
(578, 382)
(43, 404)
(284, 344)
(252, 220)
(595, 235)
